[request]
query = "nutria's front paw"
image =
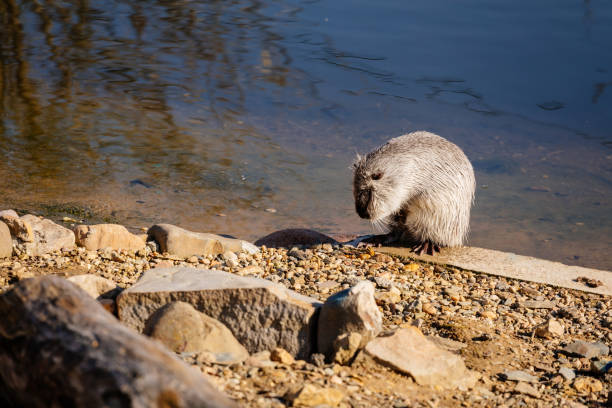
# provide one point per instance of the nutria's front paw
(426, 247)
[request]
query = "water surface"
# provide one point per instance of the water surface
(205, 115)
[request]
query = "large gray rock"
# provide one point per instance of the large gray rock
(59, 348)
(409, 351)
(181, 328)
(94, 237)
(6, 243)
(48, 236)
(183, 243)
(262, 315)
(352, 310)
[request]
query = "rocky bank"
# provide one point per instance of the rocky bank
(296, 320)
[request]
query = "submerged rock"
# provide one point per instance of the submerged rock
(262, 315)
(94, 237)
(409, 351)
(59, 347)
(48, 236)
(181, 328)
(183, 243)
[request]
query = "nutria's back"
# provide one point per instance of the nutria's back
(420, 185)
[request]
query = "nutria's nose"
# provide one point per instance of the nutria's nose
(361, 203)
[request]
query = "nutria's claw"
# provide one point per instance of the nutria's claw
(427, 247)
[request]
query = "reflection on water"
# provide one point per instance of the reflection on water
(206, 114)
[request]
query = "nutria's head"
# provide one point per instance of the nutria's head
(378, 186)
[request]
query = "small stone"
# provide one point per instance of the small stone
(527, 389)
(311, 395)
(345, 347)
(587, 385)
(317, 359)
(352, 310)
(282, 356)
(488, 314)
(586, 350)
(393, 295)
(251, 270)
(260, 360)
(270, 210)
(537, 304)
(429, 309)
(567, 373)
(601, 367)
(411, 267)
(181, 328)
(518, 375)
(549, 330)
(409, 351)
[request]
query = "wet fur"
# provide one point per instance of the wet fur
(425, 191)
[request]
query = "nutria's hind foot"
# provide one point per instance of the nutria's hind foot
(426, 247)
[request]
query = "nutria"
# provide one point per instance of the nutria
(420, 187)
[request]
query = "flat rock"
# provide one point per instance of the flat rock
(181, 328)
(19, 228)
(446, 343)
(586, 350)
(261, 314)
(351, 310)
(60, 348)
(95, 285)
(527, 389)
(6, 243)
(409, 351)
(291, 237)
(94, 237)
(48, 236)
(518, 375)
(537, 304)
(183, 243)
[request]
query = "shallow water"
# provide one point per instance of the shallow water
(205, 115)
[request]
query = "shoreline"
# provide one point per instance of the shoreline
(488, 320)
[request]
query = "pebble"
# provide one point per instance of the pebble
(518, 375)
(567, 373)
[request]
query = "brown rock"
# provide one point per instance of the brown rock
(6, 243)
(282, 356)
(527, 389)
(345, 347)
(181, 328)
(311, 395)
(183, 243)
(352, 310)
(291, 237)
(408, 350)
(587, 385)
(58, 347)
(262, 315)
(19, 228)
(94, 237)
(48, 236)
(549, 330)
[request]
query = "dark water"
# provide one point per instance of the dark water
(137, 112)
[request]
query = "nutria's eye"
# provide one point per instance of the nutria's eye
(376, 176)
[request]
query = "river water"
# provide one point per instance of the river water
(205, 114)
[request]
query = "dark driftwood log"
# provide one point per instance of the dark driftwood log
(60, 348)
